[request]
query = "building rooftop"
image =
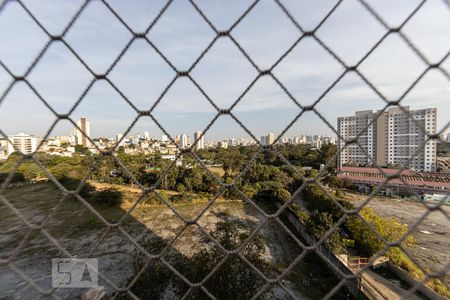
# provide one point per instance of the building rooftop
(407, 177)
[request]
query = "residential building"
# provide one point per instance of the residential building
(63, 139)
(233, 142)
(83, 132)
(263, 140)
(184, 141)
(3, 149)
(198, 136)
(270, 138)
(360, 124)
(119, 139)
(267, 140)
(22, 142)
(223, 144)
(390, 137)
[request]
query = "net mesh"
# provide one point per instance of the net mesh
(302, 34)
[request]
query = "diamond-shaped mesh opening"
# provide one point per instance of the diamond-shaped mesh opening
(350, 40)
(210, 164)
(60, 91)
(29, 42)
(111, 34)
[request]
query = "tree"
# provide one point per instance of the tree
(272, 192)
(327, 153)
(180, 188)
(81, 149)
(233, 280)
(318, 224)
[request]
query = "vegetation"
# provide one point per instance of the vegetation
(366, 241)
(233, 280)
(110, 197)
(318, 224)
(267, 180)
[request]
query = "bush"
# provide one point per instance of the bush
(233, 280)
(316, 199)
(72, 184)
(301, 214)
(180, 188)
(16, 177)
(318, 224)
(272, 192)
(367, 241)
(182, 197)
(110, 197)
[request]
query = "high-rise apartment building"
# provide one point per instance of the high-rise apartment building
(267, 140)
(263, 140)
(83, 132)
(270, 138)
(22, 142)
(184, 141)
(119, 139)
(198, 136)
(391, 137)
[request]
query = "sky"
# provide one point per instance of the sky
(223, 73)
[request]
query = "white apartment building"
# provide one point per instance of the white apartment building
(263, 140)
(198, 136)
(270, 138)
(392, 138)
(350, 127)
(22, 142)
(184, 141)
(406, 134)
(223, 144)
(267, 140)
(3, 149)
(119, 136)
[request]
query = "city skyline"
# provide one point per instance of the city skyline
(141, 74)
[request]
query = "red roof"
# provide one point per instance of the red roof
(375, 170)
(412, 179)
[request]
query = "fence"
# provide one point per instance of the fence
(16, 77)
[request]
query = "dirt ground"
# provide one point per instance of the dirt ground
(432, 250)
(83, 234)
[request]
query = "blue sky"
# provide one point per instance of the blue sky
(223, 73)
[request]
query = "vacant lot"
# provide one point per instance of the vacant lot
(83, 234)
(432, 234)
